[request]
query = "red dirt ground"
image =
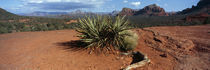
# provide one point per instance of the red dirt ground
(171, 49)
(200, 35)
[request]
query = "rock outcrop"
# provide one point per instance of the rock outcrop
(127, 12)
(150, 10)
(203, 6)
(114, 13)
(197, 17)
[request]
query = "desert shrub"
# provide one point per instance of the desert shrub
(38, 27)
(3, 30)
(55, 26)
(50, 26)
(70, 26)
(129, 42)
(59, 26)
(196, 22)
(41, 27)
(6, 28)
(151, 21)
(25, 28)
(19, 26)
(105, 32)
(207, 21)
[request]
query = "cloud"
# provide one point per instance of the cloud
(62, 5)
(165, 4)
(94, 2)
(135, 3)
(125, 1)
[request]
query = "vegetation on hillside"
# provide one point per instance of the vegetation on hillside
(10, 22)
(22, 27)
(151, 21)
(35, 24)
(45, 24)
(4, 15)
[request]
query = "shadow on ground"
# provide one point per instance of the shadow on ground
(137, 57)
(74, 45)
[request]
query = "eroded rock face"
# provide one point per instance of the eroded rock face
(200, 12)
(176, 47)
(198, 17)
(127, 12)
(152, 10)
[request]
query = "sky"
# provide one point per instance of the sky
(29, 6)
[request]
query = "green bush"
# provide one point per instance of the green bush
(104, 32)
(51, 27)
(3, 30)
(130, 41)
(207, 21)
(6, 28)
(70, 26)
(19, 26)
(26, 29)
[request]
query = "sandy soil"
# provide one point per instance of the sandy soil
(172, 49)
(44, 51)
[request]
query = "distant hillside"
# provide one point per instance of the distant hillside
(4, 15)
(150, 10)
(39, 13)
(76, 13)
(203, 6)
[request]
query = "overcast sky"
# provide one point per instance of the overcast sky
(28, 6)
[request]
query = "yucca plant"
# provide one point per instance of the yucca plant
(104, 32)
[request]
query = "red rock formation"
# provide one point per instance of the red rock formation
(198, 17)
(127, 12)
(152, 10)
